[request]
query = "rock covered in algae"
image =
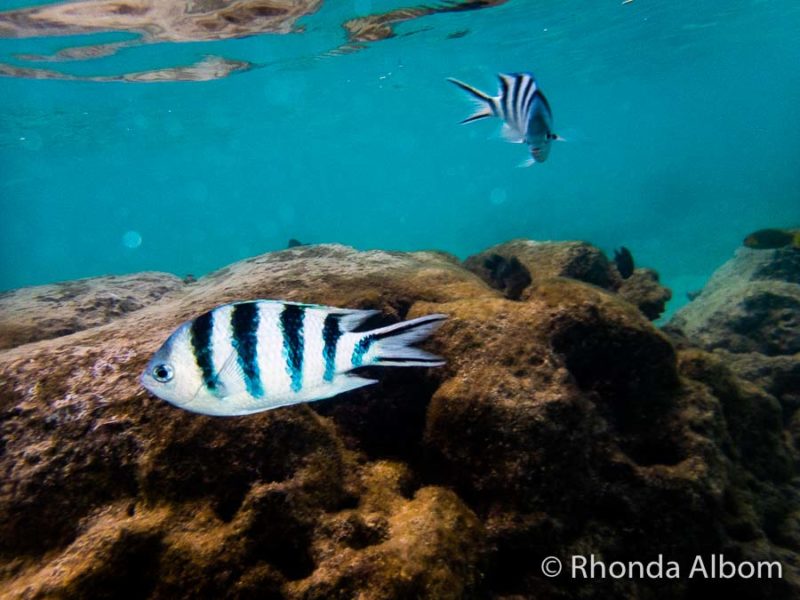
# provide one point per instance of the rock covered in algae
(565, 424)
(644, 290)
(49, 311)
(750, 304)
(545, 260)
(512, 266)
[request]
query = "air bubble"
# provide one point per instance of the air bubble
(498, 196)
(132, 239)
(31, 141)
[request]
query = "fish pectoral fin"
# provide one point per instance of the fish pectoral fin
(230, 366)
(510, 134)
(527, 163)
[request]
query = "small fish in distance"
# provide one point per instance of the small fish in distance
(770, 239)
(623, 259)
(527, 118)
(248, 357)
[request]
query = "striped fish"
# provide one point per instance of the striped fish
(527, 118)
(247, 357)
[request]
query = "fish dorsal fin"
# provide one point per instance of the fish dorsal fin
(506, 82)
(349, 320)
(510, 134)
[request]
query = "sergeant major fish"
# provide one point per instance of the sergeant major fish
(523, 108)
(248, 357)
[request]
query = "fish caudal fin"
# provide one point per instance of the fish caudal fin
(393, 344)
(487, 106)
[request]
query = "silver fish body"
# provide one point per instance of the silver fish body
(527, 118)
(248, 357)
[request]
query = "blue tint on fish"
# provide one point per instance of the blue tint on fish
(292, 328)
(244, 329)
(365, 343)
(360, 349)
(224, 362)
(331, 332)
(525, 112)
(201, 330)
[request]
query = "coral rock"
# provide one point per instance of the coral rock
(545, 260)
(48, 311)
(565, 424)
(644, 290)
(750, 304)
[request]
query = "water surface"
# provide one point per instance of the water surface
(682, 120)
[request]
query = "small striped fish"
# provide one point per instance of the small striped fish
(247, 357)
(523, 108)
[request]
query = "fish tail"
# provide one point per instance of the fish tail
(487, 106)
(393, 344)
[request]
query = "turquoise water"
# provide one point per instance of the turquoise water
(682, 120)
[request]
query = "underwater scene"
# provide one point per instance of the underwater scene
(376, 299)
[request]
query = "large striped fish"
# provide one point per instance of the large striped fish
(524, 110)
(247, 357)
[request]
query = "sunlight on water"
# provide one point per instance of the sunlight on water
(681, 120)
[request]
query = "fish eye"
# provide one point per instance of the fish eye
(162, 373)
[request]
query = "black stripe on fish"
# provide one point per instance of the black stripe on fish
(331, 332)
(540, 95)
(292, 328)
(516, 84)
(244, 330)
(504, 97)
(526, 99)
(200, 336)
(361, 348)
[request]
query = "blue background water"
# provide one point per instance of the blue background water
(683, 120)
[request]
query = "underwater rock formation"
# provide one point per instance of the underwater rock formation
(563, 424)
(748, 314)
(49, 311)
(750, 304)
(545, 260)
(643, 289)
(512, 266)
